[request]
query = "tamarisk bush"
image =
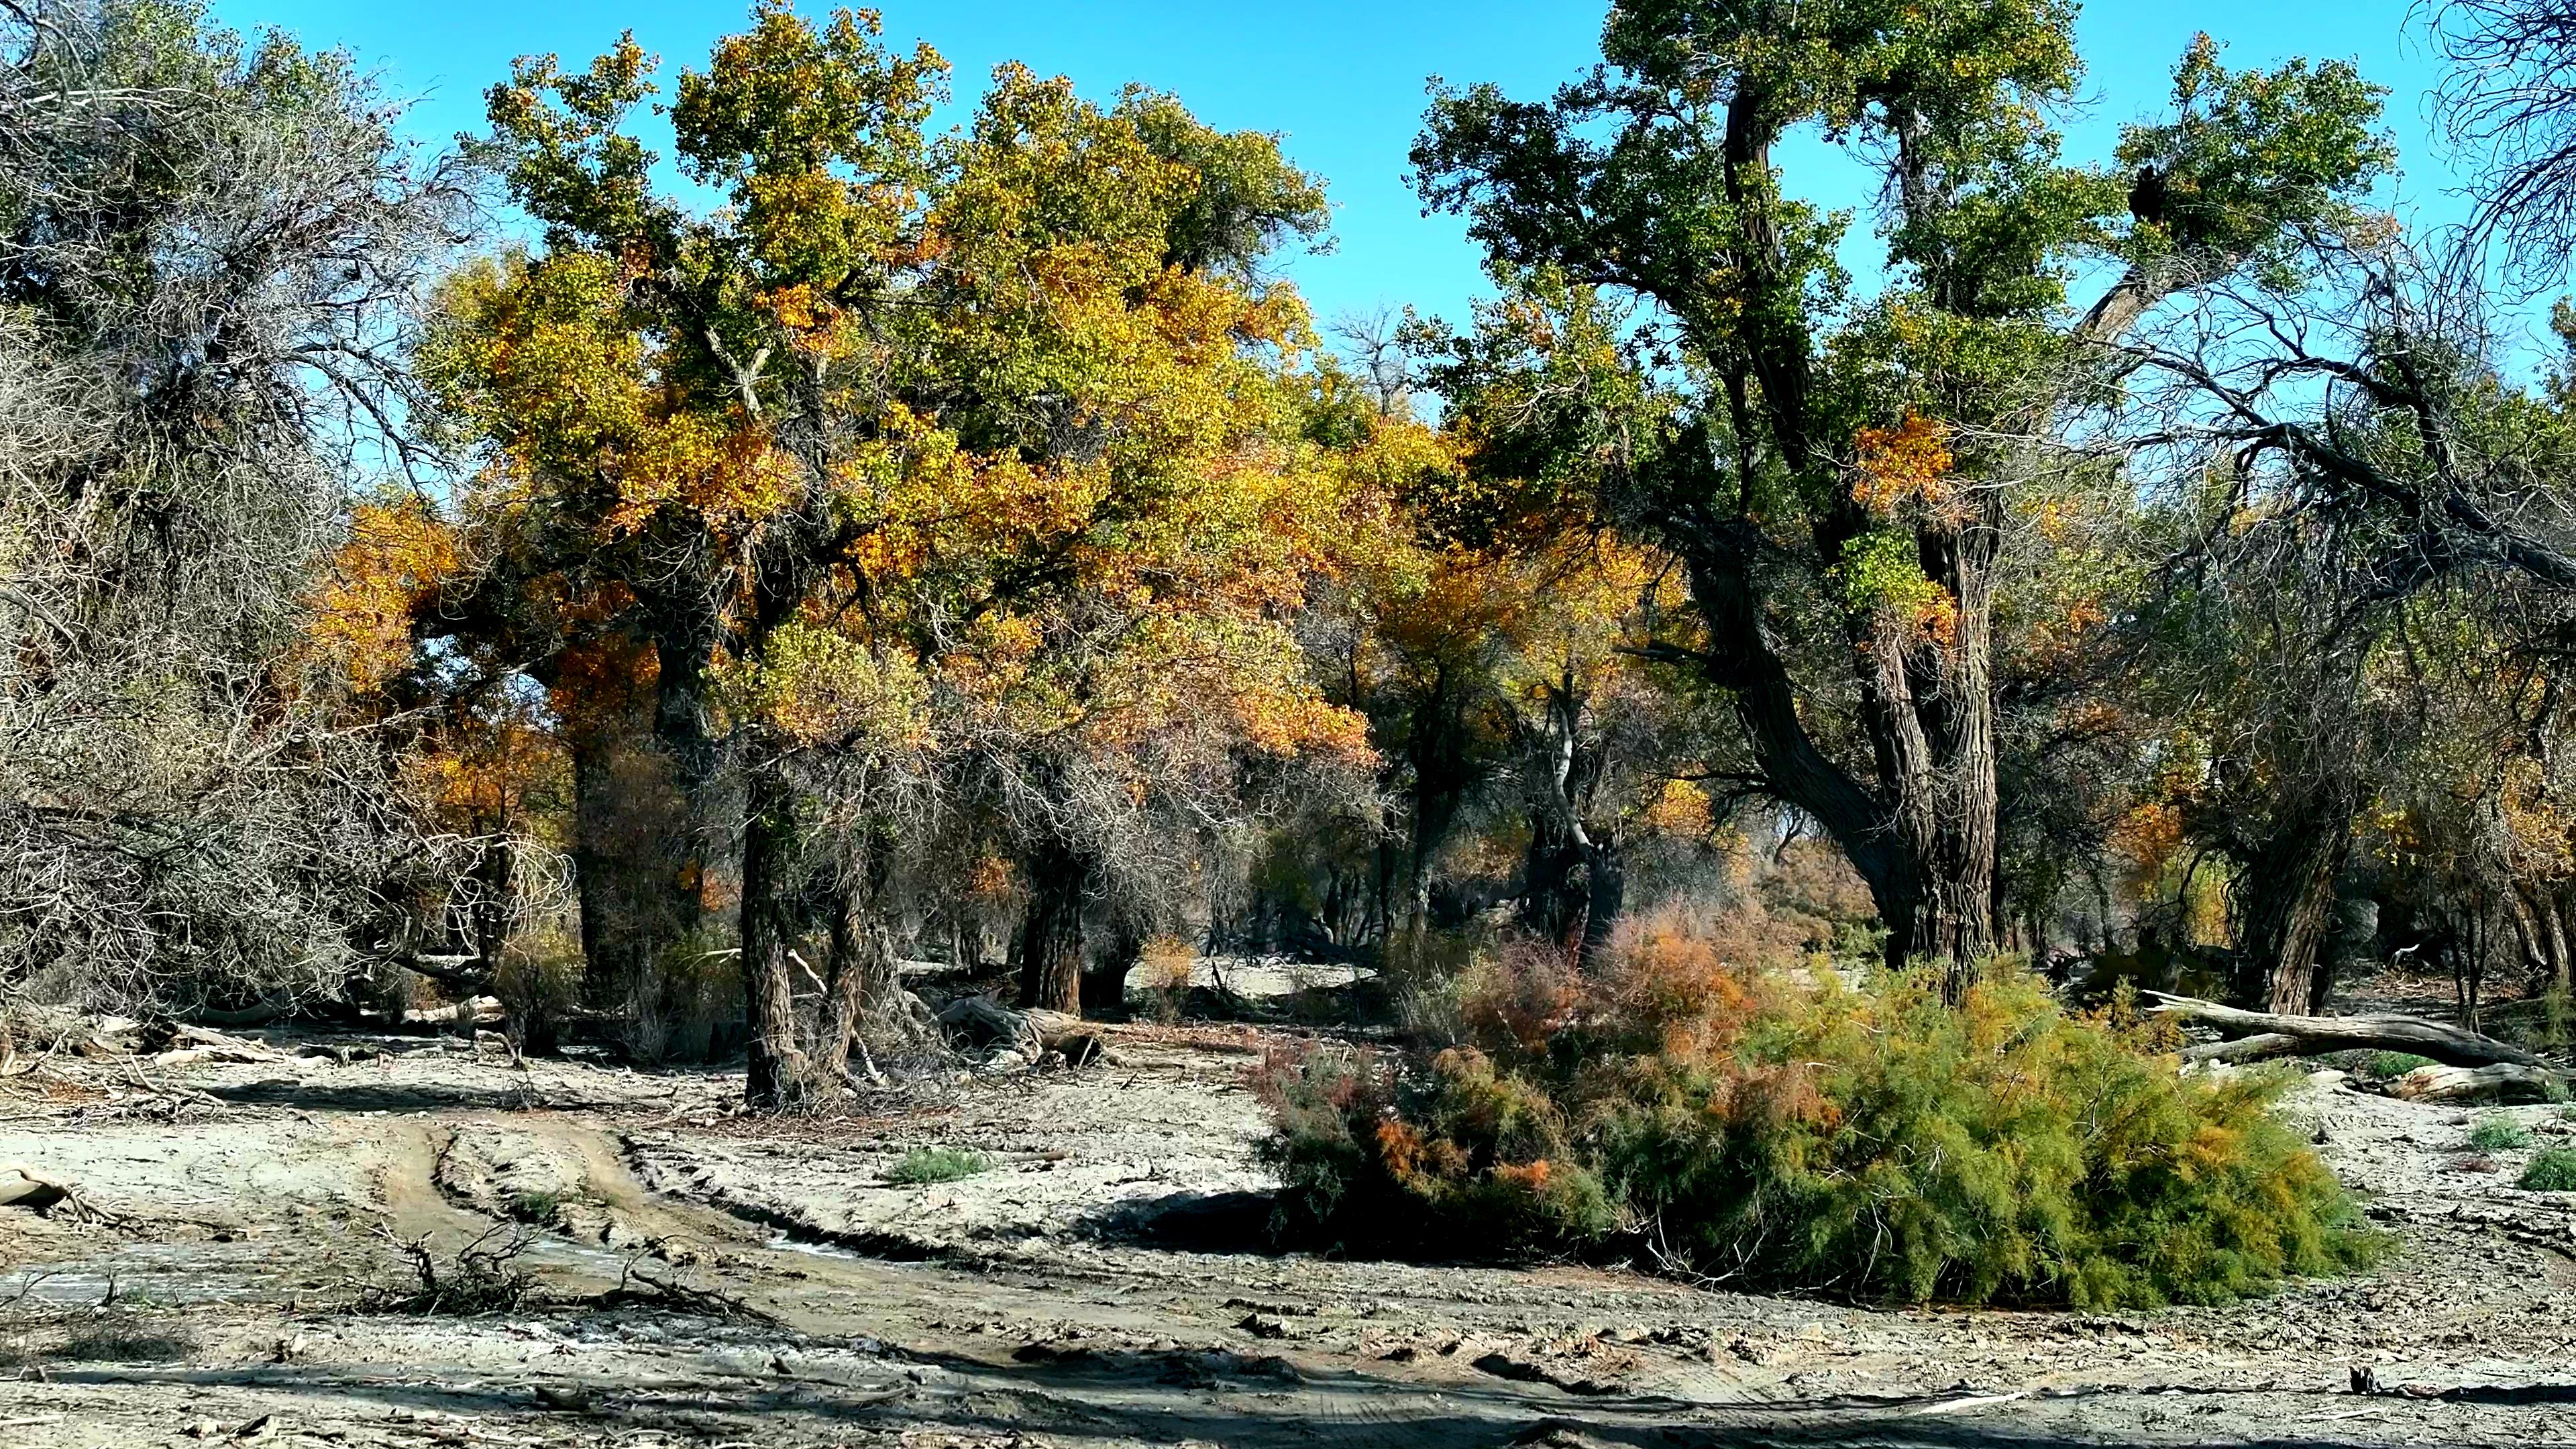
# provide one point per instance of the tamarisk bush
(1781, 1130)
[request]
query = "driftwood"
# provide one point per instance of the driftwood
(2244, 1048)
(24, 1187)
(980, 1021)
(2384, 1032)
(260, 1014)
(195, 1045)
(2501, 1082)
(480, 1009)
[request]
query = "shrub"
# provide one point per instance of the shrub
(925, 1165)
(2552, 1169)
(2498, 1133)
(685, 1003)
(1789, 1133)
(1167, 963)
(2396, 1064)
(539, 984)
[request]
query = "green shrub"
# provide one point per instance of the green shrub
(539, 984)
(2396, 1064)
(2552, 1169)
(1794, 1133)
(924, 1165)
(2498, 1133)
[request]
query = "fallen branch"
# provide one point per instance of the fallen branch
(2502, 1082)
(2243, 1049)
(2383, 1032)
(24, 1187)
(634, 1286)
(484, 1009)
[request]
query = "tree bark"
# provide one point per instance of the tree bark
(1050, 942)
(860, 975)
(777, 1074)
(2289, 890)
(2504, 1081)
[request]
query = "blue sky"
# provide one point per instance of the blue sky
(1343, 81)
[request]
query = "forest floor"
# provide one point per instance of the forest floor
(699, 1277)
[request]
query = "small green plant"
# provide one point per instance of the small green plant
(2396, 1064)
(536, 1207)
(924, 1165)
(118, 1337)
(2498, 1133)
(2552, 1169)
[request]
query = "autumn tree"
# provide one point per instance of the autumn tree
(1840, 469)
(919, 455)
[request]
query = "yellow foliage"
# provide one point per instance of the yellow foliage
(361, 612)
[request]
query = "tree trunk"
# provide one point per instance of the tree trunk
(777, 1073)
(1605, 896)
(2554, 927)
(1104, 984)
(1050, 940)
(2289, 889)
(860, 976)
(1552, 884)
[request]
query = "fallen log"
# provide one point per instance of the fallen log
(980, 1021)
(482, 1009)
(259, 1014)
(24, 1187)
(2243, 1049)
(2385, 1031)
(2501, 1082)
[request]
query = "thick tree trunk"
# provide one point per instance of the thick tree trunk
(1552, 885)
(860, 974)
(2289, 904)
(1605, 897)
(1104, 983)
(1050, 940)
(777, 1074)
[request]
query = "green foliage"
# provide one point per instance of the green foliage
(2396, 1064)
(2498, 1133)
(2252, 155)
(925, 1165)
(1784, 1134)
(2552, 1169)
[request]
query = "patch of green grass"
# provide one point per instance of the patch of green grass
(124, 1338)
(2498, 1133)
(2552, 1169)
(2396, 1064)
(925, 1165)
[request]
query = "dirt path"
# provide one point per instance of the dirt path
(1093, 1287)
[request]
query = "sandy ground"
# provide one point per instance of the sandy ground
(707, 1278)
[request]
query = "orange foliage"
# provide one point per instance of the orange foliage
(1907, 463)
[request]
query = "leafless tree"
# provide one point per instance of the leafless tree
(208, 253)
